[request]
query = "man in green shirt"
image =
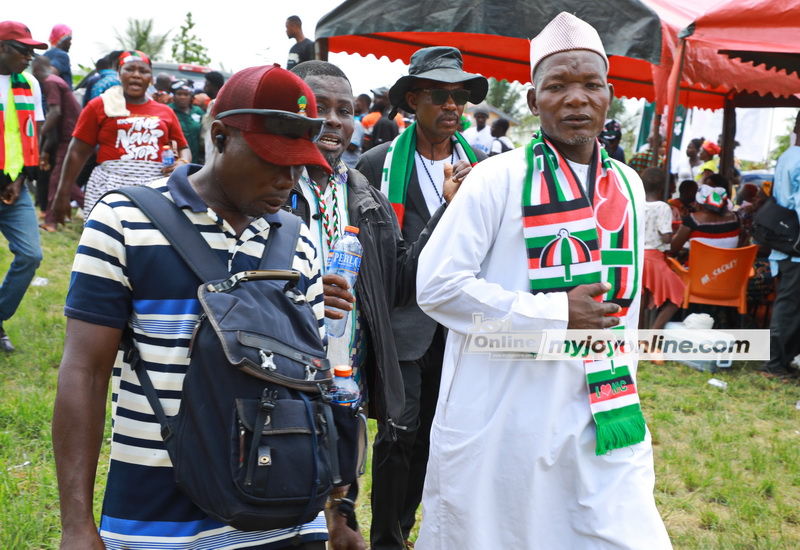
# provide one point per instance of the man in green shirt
(189, 116)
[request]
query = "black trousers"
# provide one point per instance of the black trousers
(399, 466)
(784, 327)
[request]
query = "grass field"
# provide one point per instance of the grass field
(727, 461)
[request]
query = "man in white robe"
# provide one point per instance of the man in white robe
(513, 461)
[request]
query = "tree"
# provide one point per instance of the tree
(187, 48)
(506, 96)
(139, 35)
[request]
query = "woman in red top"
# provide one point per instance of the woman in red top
(130, 132)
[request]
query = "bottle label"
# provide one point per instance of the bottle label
(343, 260)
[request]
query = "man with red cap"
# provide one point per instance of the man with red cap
(21, 102)
(61, 40)
(527, 452)
(125, 278)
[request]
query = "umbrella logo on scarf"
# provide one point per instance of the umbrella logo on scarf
(565, 250)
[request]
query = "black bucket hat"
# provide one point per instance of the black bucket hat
(442, 64)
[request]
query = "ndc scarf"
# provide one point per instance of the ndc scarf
(575, 237)
(399, 164)
(22, 94)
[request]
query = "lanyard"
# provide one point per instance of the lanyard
(330, 222)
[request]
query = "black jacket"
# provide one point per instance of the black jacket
(387, 279)
(413, 329)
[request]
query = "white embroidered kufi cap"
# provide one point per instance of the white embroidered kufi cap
(565, 32)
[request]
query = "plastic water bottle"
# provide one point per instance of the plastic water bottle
(344, 259)
(167, 156)
(344, 390)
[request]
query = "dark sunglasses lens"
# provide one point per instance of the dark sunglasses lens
(440, 96)
(461, 97)
(293, 128)
(22, 50)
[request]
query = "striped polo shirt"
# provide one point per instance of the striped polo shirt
(127, 275)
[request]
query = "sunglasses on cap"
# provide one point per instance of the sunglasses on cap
(22, 50)
(440, 96)
(284, 123)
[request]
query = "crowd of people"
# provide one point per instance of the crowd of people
(527, 239)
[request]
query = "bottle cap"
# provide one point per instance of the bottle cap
(344, 371)
(165, 147)
(351, 229)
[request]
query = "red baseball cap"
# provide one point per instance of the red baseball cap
(273, 89)
(12, 30)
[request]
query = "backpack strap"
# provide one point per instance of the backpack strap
(281, 244)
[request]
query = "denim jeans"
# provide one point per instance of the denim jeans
(19, 226)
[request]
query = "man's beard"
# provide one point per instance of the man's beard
(332, 159)
(579, 140)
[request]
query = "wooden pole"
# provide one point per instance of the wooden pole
(726, 166)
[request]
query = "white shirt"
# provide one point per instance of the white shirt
(581, 172)
(430, 175)
(480, 139)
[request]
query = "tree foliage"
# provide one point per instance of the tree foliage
(140, 35)
(783, 141)
(507, 97)
(186, 46)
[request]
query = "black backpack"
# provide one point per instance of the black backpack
(777, 227)
(254, 444)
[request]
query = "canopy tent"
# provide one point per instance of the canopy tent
(723, 47)
(493, 37)
(744, 30)
(641, 38)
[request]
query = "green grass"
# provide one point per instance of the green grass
(727, 461)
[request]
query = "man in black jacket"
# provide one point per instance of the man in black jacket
(388, 268)
(411, 171)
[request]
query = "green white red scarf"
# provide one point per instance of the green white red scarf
(576, 237)
(20, 99)
(399, 164)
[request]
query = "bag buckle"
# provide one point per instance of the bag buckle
(267, 361)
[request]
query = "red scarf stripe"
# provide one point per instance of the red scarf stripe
(399, 211)
(559, 218)
(545, 190)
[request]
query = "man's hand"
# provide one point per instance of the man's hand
(341, 536)
(88, 540)
(336, 291)
(61, 208)
(453, 177)
(12, 191)
(587, 313)
(44, 161)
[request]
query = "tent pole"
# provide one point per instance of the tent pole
(675, 77)
(726, 166)
(321, 49)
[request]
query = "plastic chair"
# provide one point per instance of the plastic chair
(716, 276)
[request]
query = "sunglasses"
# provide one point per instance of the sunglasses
(440, 96)
(22, 50)
(284, 123)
